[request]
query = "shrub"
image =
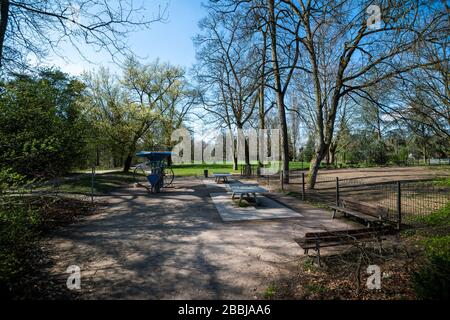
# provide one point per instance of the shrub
(9, 178)
(432, 281)
(42, 127)
(18, 230)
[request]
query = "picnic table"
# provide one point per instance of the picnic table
(247, 191)
(221, 177)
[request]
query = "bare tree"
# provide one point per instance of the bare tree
(35, 27)
(346, 56)
(228, 71)
(285, 51)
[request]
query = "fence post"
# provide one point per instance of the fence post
(337, 192)
(92, 184)
(399, 205)
(303, 186)
(281, 180)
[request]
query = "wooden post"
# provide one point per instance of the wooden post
(337, 192)
(303, 186)
(399, 205)
(92, 184)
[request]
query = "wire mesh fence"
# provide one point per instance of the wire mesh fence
(399, 200)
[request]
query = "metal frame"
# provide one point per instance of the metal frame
(157, 170)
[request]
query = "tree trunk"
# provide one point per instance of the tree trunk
(315, 166)
(279, 92)
(129, 158)
(424, 153)
(4, 15)
(332, 153)
(235, 163)
(97, 157)
(333, 156)
(247, 153)
(262, 88)
(127, 165)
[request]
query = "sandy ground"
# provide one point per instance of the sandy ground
(375, 175)
(175, 246)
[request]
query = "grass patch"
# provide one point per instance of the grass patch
(82, 184)
(270, 292)
(432, 280)
(315, 288)
(198, 170)
(442, 182)
(440, 218)
(309, 266)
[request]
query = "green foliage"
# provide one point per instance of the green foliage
(439, 218)
(270, 292)
(41, 124)
(432, 281)
(308, 152)
(309, 266)
(377, 153)
(400, 157)
(9, 178)
(442, 182)
(18, 230)
(315, 288)
(138, 110)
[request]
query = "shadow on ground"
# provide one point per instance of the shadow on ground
(174, 246)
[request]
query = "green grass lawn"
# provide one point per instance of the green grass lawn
(109, 180)
(82, 183)
(198, 170)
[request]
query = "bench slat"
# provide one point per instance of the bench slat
(356, 214)
(332, 244)
(342, 236)
(344, 232)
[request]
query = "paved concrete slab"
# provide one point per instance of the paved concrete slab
(267, 209)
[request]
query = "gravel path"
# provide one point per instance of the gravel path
(175, 246)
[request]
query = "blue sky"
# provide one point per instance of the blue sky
(170, 41)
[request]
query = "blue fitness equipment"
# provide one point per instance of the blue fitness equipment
(155, 173)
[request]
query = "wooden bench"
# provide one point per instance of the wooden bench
(316, 241)
(370, 216)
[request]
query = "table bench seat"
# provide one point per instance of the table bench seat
(316, 241)
(371, 216)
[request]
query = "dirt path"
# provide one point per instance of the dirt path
(174, 246)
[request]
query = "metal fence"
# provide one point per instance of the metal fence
(400, 200)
